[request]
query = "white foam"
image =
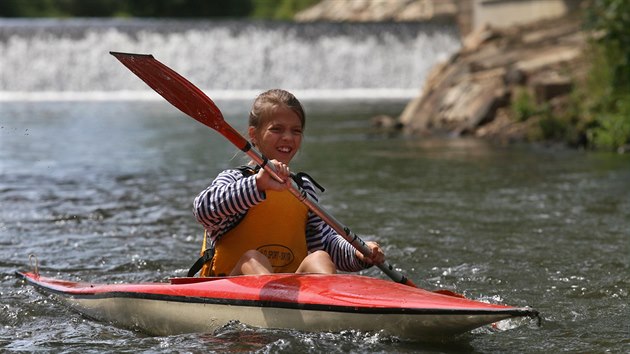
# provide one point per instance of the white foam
(148, 95)
(232, 58)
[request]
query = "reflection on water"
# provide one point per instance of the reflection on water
(102, 191)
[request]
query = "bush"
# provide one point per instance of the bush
(613, 128)
(607, 90)
(523, 106)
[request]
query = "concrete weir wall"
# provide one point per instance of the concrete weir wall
(505, 13)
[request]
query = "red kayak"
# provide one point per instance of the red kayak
(308, 302)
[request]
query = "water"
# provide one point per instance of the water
(99, 185)
(72, 55)
(102, 191)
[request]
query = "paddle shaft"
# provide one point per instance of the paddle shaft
(193, 102)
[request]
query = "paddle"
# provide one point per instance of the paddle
(182, 94)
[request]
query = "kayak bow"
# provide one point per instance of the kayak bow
(308, 302)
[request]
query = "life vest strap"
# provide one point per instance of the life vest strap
(297, 177)
(206, 256)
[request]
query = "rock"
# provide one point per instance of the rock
(503, 128)
(473, 89)
(550, 84)
(385, 122)
(476, 38)
(546, 57)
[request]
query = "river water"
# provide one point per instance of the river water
(100, 189)
(102, 192)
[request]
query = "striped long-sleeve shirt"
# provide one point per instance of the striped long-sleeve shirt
(225, 202)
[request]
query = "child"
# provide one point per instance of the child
(254, 224)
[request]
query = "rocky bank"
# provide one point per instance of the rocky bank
(478, 90)
(495, 85)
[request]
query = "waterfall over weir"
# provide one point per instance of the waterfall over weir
(70, 58)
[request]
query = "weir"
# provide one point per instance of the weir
(71, 56)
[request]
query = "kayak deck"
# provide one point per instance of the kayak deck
(310, 302)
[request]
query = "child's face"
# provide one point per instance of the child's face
(279, 137)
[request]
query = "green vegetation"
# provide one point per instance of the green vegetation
(597, 113)
(523, 106)
(279, 9)
(606, 95)
(263, 9)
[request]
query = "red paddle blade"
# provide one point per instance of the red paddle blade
(180, 92)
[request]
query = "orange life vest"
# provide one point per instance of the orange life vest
(276, 227)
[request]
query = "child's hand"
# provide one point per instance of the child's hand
(377, 257)
(264, 181)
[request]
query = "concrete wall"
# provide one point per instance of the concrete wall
(505, 13)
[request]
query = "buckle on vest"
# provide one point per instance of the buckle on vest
(207, 256)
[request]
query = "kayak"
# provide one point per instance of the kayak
(306, 302)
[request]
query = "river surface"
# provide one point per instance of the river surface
(101, 191)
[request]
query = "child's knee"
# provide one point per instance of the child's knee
(253, 254)
(321, 256)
